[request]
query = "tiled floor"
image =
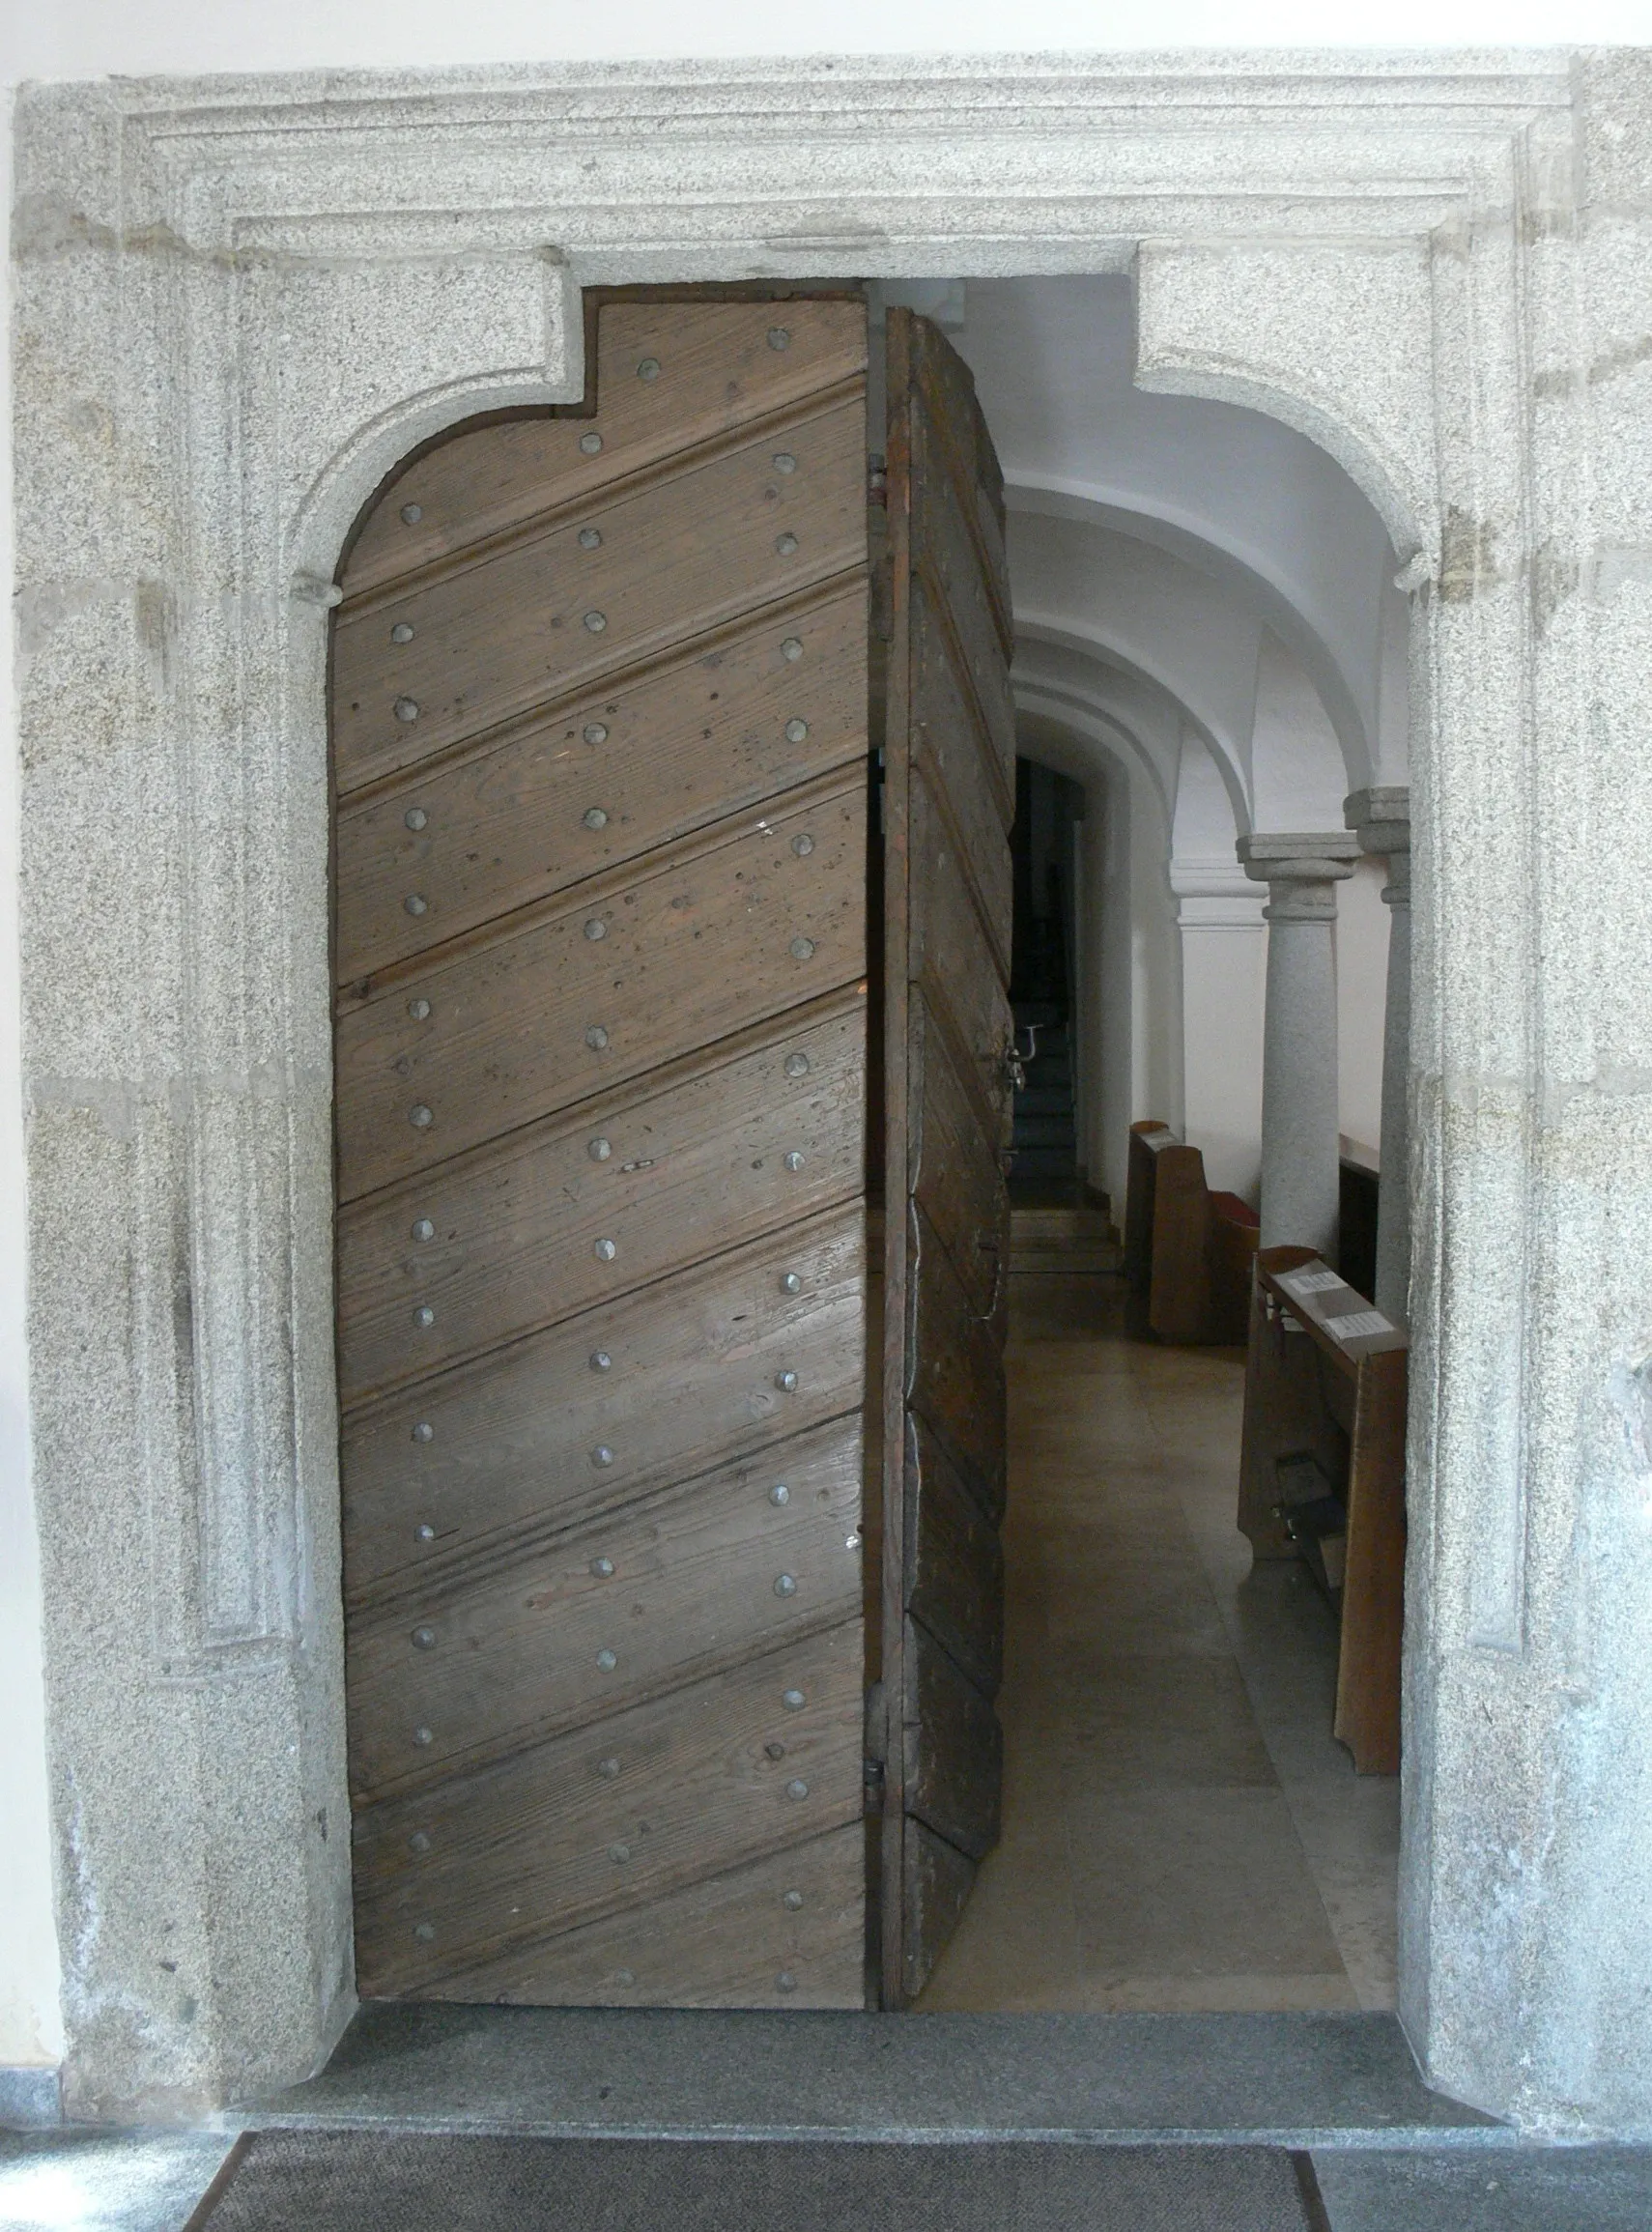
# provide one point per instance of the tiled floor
(1181, 1832)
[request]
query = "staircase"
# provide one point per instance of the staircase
(1055, 1222)
(1044, 1143)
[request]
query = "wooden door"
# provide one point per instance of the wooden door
(599, 721)
(949, 798)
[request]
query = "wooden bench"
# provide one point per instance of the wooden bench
(1323, 1473)
(1188, 1251)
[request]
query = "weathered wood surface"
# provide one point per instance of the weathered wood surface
(957, 625)
(953, 959)
(956, 1368)
(506, 823)
(609, 1819)
(954, 1748)
(524, 624)
(762, 914)
(1374, 1583)
(957, 1175)
(785, 1930)
(955, 1574)
(938, 1881)
(505, 1449)
(962, 763)
(489, 1658)
(600, 731)
(718, 375)
(697, 1164)
(949, 800)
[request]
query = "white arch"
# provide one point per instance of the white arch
(1234, 488)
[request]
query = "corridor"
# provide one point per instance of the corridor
(1181, 1832)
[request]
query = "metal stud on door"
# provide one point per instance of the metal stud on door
(599, 710)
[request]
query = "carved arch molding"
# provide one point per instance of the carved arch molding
(239, 302)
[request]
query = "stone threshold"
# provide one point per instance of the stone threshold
(1299, 2080)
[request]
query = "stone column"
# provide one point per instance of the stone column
(1382, 820)
(1299, 1130)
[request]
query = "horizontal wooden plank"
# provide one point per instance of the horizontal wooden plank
(607, 1820)
(947, 553)
(955, 422)
(949, 954)
(718, 372)
(766, 914)
(955, 1170)
(467, 838)
(517, 1228)
(508, 1447)
(961, 765)
(786, 1931)
(533, 620)
(956, 1369)
(565, 1632)
(938, 1881)
(955, 1576)
(954, 1748)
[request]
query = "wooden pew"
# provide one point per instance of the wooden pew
(1187, 1251)
(1323, 1473)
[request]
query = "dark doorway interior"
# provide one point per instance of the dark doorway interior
(1043, 989)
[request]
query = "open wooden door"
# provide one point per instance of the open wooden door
(599, 718)
(948, 801)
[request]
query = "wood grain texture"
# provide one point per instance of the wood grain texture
(949, 800)
(955, 1571)
(692, 948)
(718, 375)
(957, 1175)
(951, 957)
(955, 1747)
(785, 1930)
(696, 1164)
(668, 1589)
(1368, 1696)
(657, 756)
(599, 698)
(505, 1450)
(611, 1817)
(535, 619)
(948, 552)
(963, 766)
(1179, 1296)
(939, 1880)
(956, 1381)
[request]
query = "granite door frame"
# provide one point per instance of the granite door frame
(240, 302)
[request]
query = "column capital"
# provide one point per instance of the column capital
(1299, 867)
(1380, 818)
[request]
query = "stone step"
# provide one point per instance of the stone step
(1049, 1165)
(1071, 1237)
(1034, 1130)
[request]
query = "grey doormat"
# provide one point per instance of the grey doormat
(413, 2181)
